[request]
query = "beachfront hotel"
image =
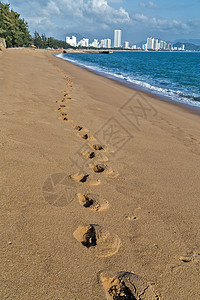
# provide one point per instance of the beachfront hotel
(71, 41)
(117, 38)
(156, 45)
(126, 45)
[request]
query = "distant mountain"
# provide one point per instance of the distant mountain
(188, 46)
(190, 41)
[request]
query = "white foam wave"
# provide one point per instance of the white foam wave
(175, 95)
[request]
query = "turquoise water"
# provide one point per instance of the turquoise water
(175, 75)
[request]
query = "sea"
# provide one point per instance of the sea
(173, 76)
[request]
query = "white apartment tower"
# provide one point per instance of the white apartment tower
(150, 43)
(103, 44)
(95, 43)
(117, 38)
(126, 45)
(71, 41)
(108, 43)
(83, 43)
(156, 45)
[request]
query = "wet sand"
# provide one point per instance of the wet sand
(97, 179)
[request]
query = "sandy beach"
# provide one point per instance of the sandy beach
(99, 186)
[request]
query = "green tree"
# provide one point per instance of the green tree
(37, 40)
(44, 41)
(12, 27)
(53, 43)
(50, 42)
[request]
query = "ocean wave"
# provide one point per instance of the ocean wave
(175, 94)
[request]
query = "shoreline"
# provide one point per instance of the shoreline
(84, 156)
(193, 108)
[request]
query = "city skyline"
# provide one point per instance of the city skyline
(152, 44)
(137, 19)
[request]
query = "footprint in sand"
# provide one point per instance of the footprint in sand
(97, 147)
(98, 240)
(79, 128)
(63, 114)
(65, 119)
(107, 171)
(134, 216)
(91, 155)
(88, 154)
(127, 285)
(84, 136)
(190, 256)
(92, 202)
(97, 168)
(98, 155)
(130, 218)
(100, 149)
(85, 178)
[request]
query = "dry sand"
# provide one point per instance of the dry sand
(100, 186)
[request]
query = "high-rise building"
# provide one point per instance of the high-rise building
(156, 45)
(103, 43)
(162, 45)
(144, 47)
(170, 47)
(68, 39)
(95, 43)
(71, 41)
(126, 45)
(83, 43)
(108, 43)
(86, 42)
(150, 43)
(117, 38)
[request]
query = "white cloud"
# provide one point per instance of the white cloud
(140, 17)
(161, 25)
(52, 8)
(60, 16)
(83, 10)
(97, 17)
(115, 1)
(103, 12)
(150, 4)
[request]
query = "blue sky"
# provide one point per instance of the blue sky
(168, 20)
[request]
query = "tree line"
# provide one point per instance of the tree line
(43, 42)
(16, 33)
